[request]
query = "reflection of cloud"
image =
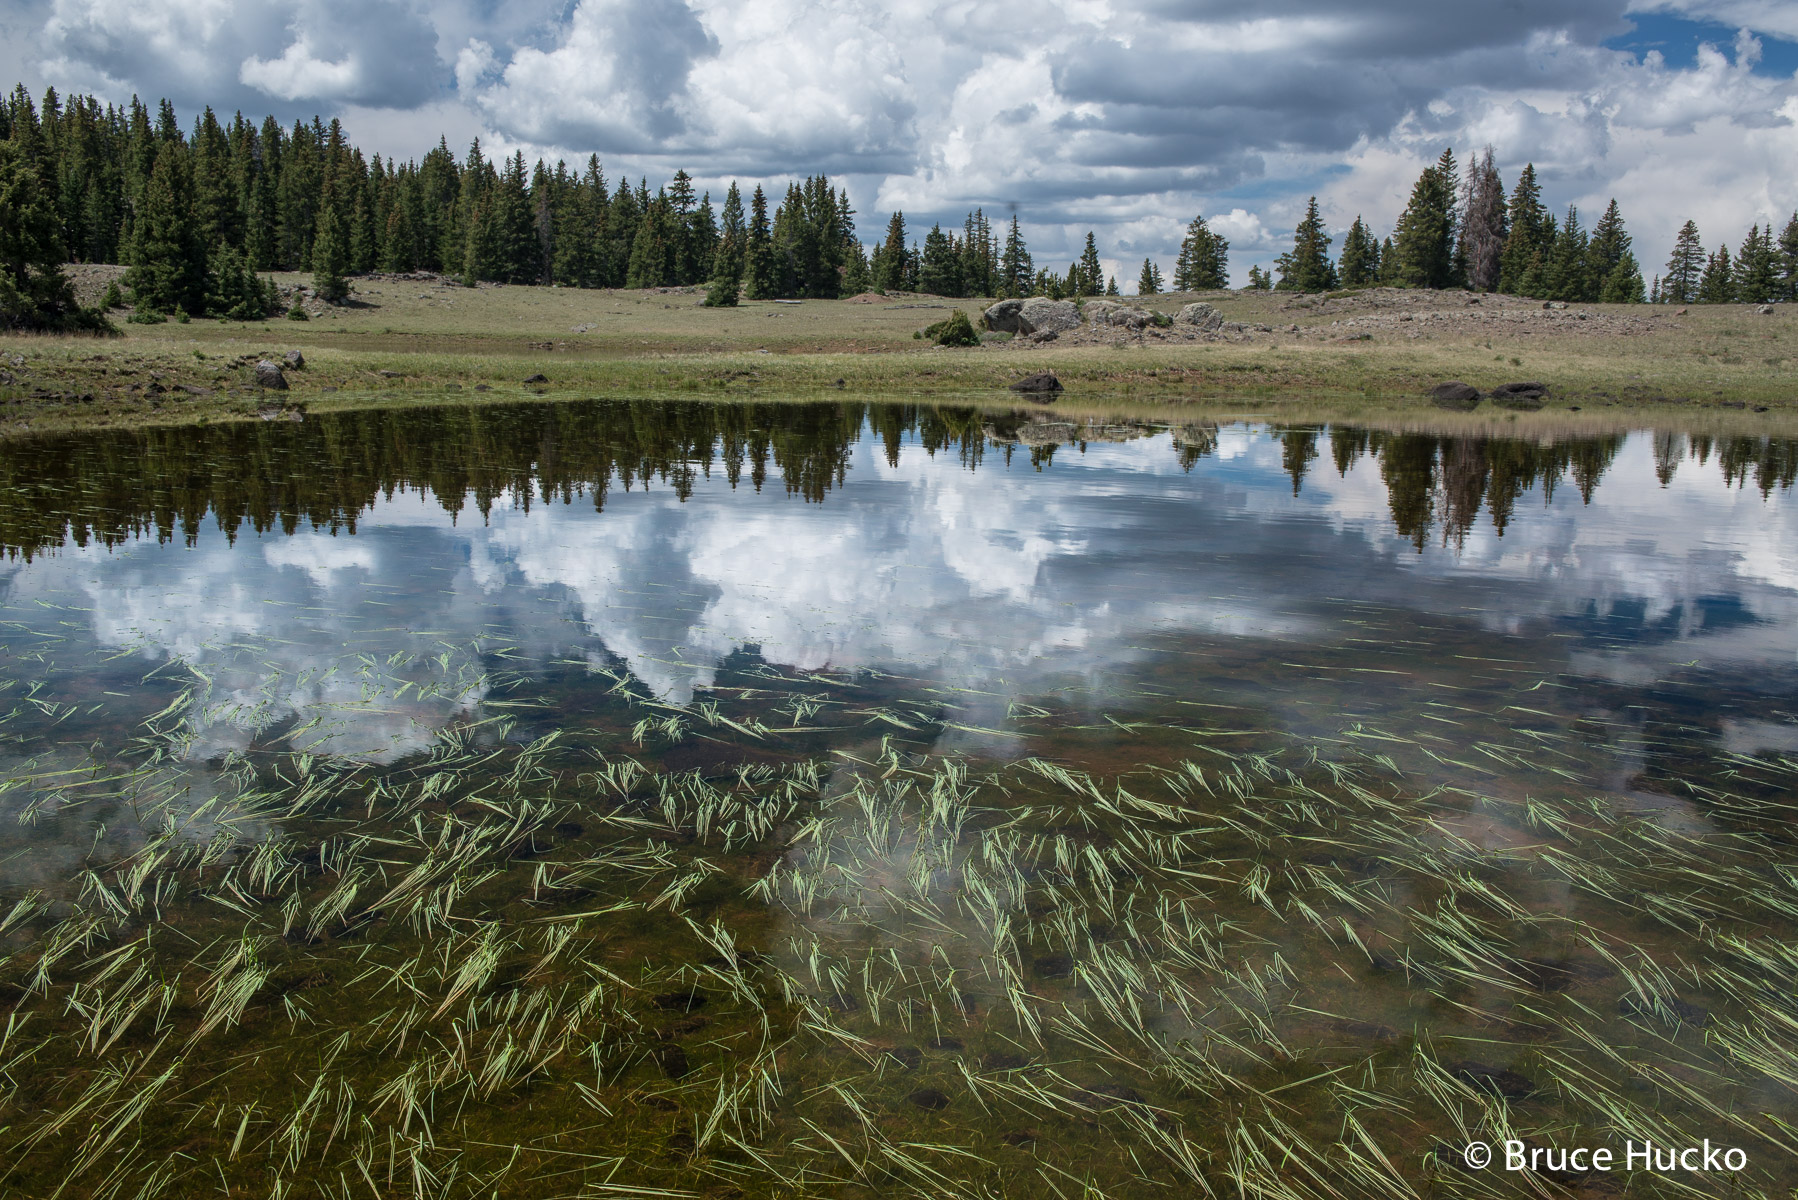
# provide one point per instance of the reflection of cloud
(999, 580)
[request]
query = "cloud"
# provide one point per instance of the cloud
(1121, 116)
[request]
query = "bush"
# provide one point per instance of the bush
(145, 316)
(296, 313)
(114, 298)
(953, 330)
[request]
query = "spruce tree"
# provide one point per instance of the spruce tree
(1788, 261)
(1091, 274)
(1424, 240)
(34, 292)
(1111, 286)
(1612, 274)
(1259, 280)
(1360, 262)
(1757, 276)
(1204, 261)
(889, 259)
(1717, 285)
(1306, 267)
(1483, 225)
(758, 251)
(1526, 236)
(1016, 274)
(1685, 268)
(727, 261)
(330, 250)
(1148, 283)
(939, 273)
(168, 259)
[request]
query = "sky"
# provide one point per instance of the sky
(1125, 117)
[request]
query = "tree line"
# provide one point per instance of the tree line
(1467, 233)
(201, 215)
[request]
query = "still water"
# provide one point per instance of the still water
(675, 799)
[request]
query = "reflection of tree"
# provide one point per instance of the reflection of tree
(109, 486)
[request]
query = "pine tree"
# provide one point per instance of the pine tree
(1016, 274)
(1483, 225)
(1360, 262)
(1259, 280)
(1111, 286)
(1306, 267)
(1148, 283)
(1788, 261)
(1526, 236)
(727, 261)
(758, 252)
(1204, 261)
(939, 273)
(1685, 268)
(888, 264)
(330, 250)
(1757, 275)
(1612, 273)
(1424, 241)
(168, 259)
(1091, 278)
(34, 292)
(1718, 284)
(979, 256)
(1565, 274)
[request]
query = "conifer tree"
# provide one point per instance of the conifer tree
(1148, 283)
(1424, 240)
(758, 251)
(1204, 261)
(1718, 284)
(1259, 280)
(1685, 268)
(979, 256)
(727, 261)
(889, 259)
(330, 251)
(1360, 262)
(1757, 268)
(1526, 236)
(939, 272)
(1612, 273)
(168, 259)
(1483, 224)
(1306, 267)
(1016, 274)
(1111, 286)
(1788, 261)
(34, 292)
(1091, 279)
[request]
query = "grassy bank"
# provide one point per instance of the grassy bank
(406, 340)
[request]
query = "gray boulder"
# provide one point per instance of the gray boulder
(295, 360)
(1003, 317)
(268, 375)
(1034, 315)
(1042, 315)
(1765, 310)
(1113, 315)
(1455, 395)
(1203, 316)
(1043, 385)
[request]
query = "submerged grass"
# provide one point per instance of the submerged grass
(1155, 954)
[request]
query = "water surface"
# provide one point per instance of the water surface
(859, 799)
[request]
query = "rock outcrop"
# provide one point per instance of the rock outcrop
(1201, 315)
(1035, 315)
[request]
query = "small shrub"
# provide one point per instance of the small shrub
(144, 316)
(953, 330)
(114, 298)
(296, 313)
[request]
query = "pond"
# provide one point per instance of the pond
(859, 799)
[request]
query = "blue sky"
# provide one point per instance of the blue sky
(1125, 117)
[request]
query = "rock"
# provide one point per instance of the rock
(909, 1057)
(1003, 316)
(1042, 315)
(1525, 396)
(1204, 316)
(1765, 310)
(295, 360)
(930, 1098)
(1554, 304)
(685, 1001)
(538, 378)
(1054, 966)
(1042, 385)
(1035, 315)
(1109, 313)
(1456, 396)
(268, 375)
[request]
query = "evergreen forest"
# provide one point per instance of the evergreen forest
(201, 215)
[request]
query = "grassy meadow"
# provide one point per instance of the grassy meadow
(406, 340)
